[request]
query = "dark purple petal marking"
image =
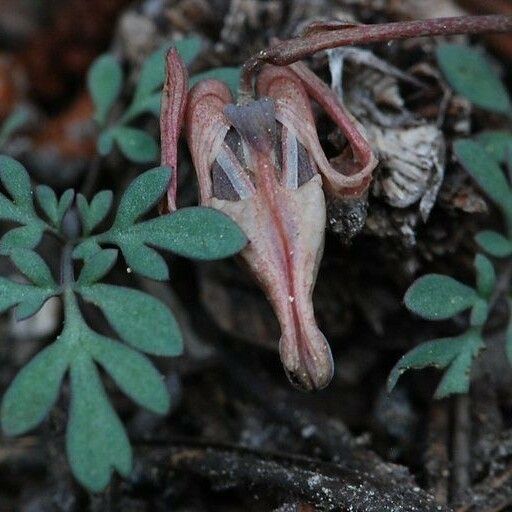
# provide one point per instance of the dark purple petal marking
(255, 122)
(229, 178)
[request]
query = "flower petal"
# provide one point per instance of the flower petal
(174, 100)
(350, 176)
(207, 128)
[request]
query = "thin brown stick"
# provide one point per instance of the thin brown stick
(461, 451)
(298, 48)
(436, 456)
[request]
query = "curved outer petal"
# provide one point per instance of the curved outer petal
(174, 100)
(293, 110)
(207, 127)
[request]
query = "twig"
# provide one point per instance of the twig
(298, 48)
(436, 455)
(461, 453)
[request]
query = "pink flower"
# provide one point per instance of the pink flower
(261, 163)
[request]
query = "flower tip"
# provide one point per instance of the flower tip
(310, 367)
(173, 57)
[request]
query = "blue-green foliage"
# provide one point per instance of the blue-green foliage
(469, 72)
(96, 440)
(105, 84)
(230, 76)
(17, 118)
(438, 297)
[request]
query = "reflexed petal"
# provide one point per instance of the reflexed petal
(174, 100)
(207, 127)
(351, 174)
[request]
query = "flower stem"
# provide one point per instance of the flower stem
(298, 48)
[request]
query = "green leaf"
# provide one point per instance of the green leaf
(30, 306)
(485, 276)
(92, 214)
(141, 195)
(20, 208)
(97, 266)
(64, 204)
(438, 297)
(147, 97)
(195, 232)
(47, 200)
(34, 390)
(456, 353)
(152, 74)
(150, 104)
(13, 123)
(494, 243)
(104, 81)
(229, 75)
(484, 170)
(498, 143)
(202, 233)
(133, 373)
(99, 207)
(33, 267)
(470, 74)
(96, 441)
(25, 237)
(139, 319)
(188, 48)
(136, 145)
(437, 353)
(105, 142)
(457, 378)
(54, 209)
(83, 209)
(479, 313)
(86, 249)
(145, 261)
(12, 294)
(16, 180)
(9, 211)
